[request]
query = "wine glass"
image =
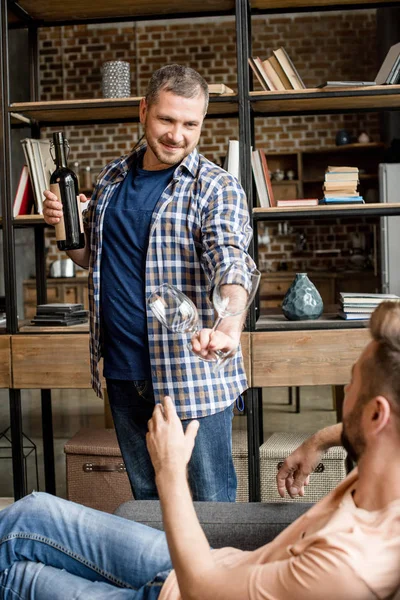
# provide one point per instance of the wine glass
(232, 295)
(175, 311)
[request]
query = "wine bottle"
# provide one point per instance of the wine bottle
(64, 184)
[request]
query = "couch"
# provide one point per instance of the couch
(242, 525)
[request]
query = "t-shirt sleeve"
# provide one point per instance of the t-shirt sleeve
(313, 575)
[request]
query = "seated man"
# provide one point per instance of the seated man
(346, 547)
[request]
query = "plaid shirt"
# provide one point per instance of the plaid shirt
(199, 226)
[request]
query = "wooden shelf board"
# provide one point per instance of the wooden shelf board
(278, 322)
(265, 5)
(101, 109)
(75, 10)
(28, 221)
(80, 328)
(317, 100)
(346, 148)
(315, 212)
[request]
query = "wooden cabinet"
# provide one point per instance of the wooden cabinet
(63, 289)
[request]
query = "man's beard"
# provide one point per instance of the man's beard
(348, 446)
(352, 438)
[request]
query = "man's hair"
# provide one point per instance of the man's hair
(381, 372)
(180, 80)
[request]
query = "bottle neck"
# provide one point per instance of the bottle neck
(61, 159)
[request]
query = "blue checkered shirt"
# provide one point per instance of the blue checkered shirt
(199, 226)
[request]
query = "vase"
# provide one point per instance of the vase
(302, 300)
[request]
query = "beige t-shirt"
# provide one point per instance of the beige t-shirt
(335, 551)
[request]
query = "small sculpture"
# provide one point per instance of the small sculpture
(302, 300)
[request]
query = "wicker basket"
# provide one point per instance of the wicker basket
(327, 475)
(239, 455)
(96, 475)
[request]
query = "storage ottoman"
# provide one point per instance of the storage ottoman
(96, 475)
(330, 471)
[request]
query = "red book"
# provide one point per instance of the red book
(267, 178)
(23, 201)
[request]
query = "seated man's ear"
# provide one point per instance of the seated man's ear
(379, 413)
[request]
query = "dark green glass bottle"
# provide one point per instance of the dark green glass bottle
(64, 184)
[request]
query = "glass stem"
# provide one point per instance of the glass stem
(217, 322)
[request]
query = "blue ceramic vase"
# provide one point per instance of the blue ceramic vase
(302, 300)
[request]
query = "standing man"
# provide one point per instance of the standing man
(165, 214)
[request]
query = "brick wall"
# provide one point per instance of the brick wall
(322, 45)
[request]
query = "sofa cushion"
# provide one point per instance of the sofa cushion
(242, 525)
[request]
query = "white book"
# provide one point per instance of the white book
(261, 186)
(40, 165)
(231, 163)
(354, 298)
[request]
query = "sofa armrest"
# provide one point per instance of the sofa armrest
(242, 525)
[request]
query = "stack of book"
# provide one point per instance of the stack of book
(340, 186)
(277, 72)
(58, 314)
(360, 306)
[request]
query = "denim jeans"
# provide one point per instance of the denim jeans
(52, 549)
(211, 471)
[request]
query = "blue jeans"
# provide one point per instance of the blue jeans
(52, 549)
(211, 471)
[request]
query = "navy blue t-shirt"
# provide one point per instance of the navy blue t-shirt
(122, 280)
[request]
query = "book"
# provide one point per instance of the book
(354, 316)
(359, 307)
(40, 166)
(389, 65)
(23, 200)
(255, 68)
(279, 72)
(231, 163)
(58, 308)
(267, 178)
(219, 88)
(332, 169)
(342, 200)
(265, 76)
(354, 298)
(298, 202)
(337, 176)
(259, 179)
(394, 76)
(289, 69)
(339, 84)
(273, 75)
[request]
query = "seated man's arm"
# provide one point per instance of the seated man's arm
(297, 468)
(199, 576)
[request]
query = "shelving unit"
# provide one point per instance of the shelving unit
(42, 13)
(263, 371)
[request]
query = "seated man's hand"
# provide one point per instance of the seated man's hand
(170, 448)
(206, 342)
(295, 472)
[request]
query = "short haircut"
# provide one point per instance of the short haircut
(180, 80)
(381, 372)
